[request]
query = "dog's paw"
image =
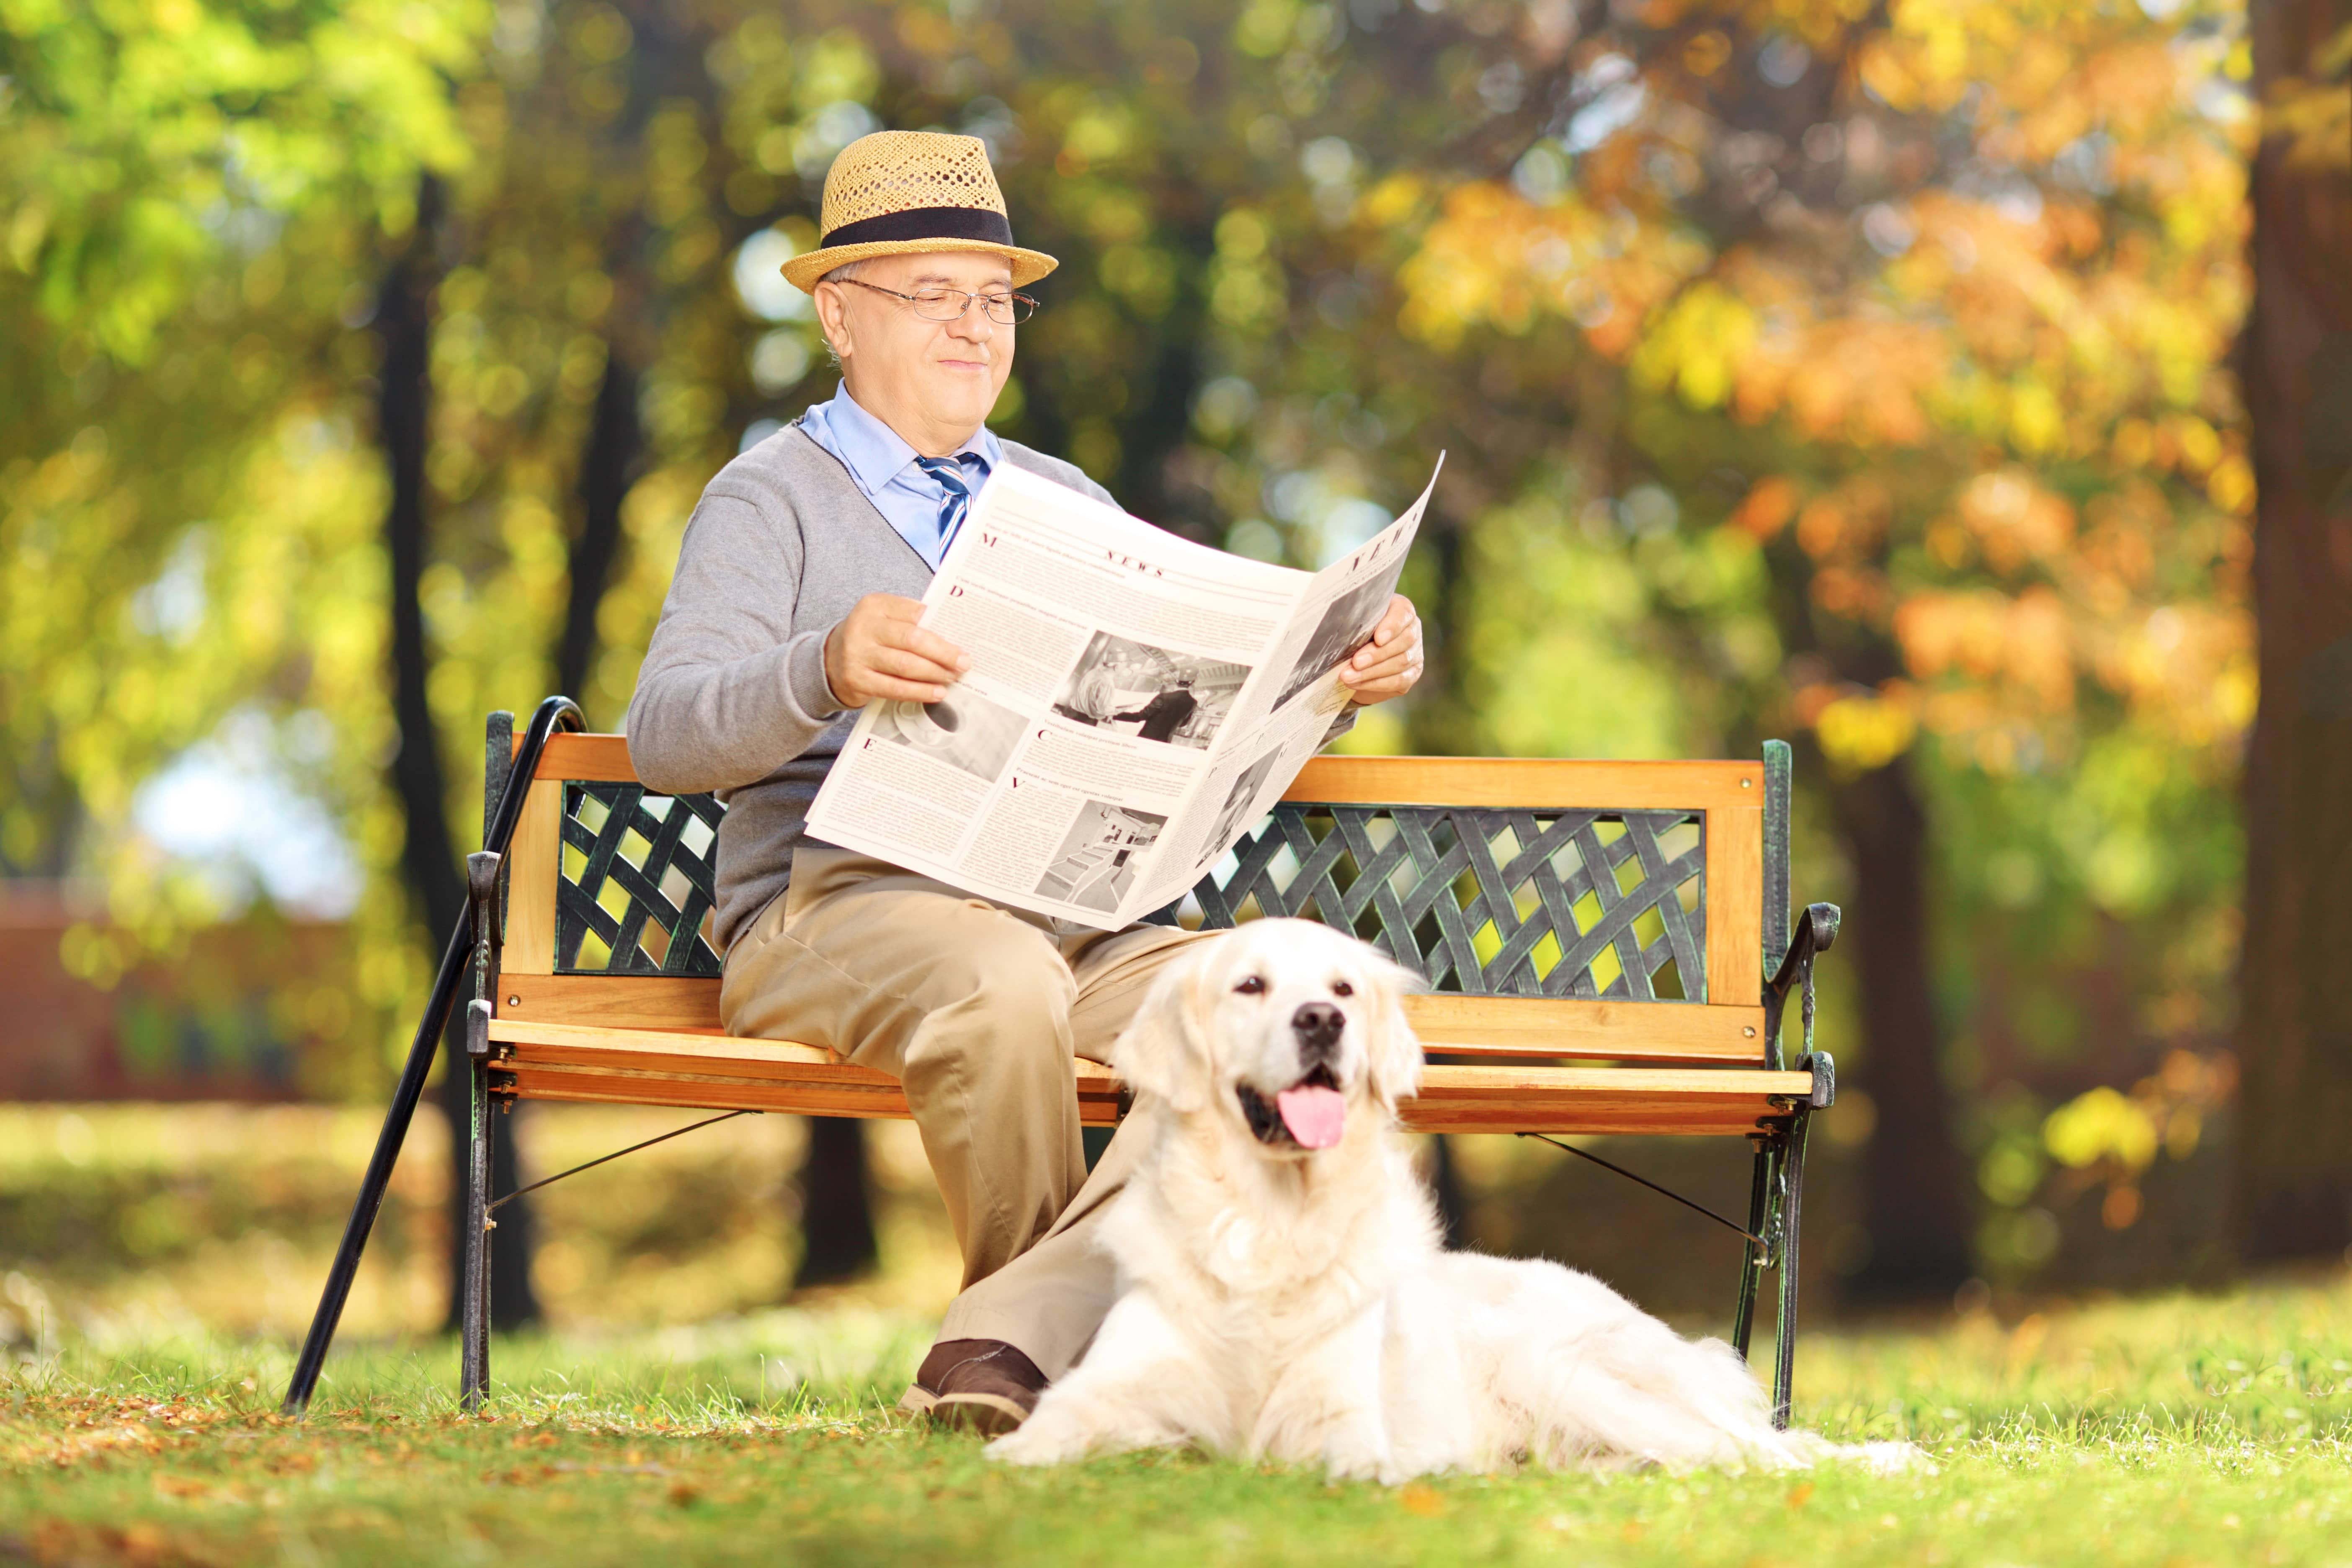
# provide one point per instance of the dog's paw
(1365, 1461)
(1890, 1458)
(1029, 1444)
(1050, 1436)
(1878, 1458)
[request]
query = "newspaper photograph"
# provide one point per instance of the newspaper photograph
(1179, 699)
(1135, 703)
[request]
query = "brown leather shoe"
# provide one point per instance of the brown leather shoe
(976, 1386)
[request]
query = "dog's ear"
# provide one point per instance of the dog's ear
(1164, 1052)
(1393, 1050)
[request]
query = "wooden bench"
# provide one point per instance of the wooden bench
(1633, 914)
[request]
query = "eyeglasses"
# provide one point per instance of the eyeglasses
(949, 304)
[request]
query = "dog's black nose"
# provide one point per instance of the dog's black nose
(1318, 1025)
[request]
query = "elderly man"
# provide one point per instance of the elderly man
(795, 603)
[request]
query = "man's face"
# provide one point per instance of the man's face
(942, 375)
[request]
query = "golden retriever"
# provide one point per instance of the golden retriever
(1282, 1291)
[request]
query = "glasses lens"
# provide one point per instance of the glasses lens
(1008, 310)
(940, 304)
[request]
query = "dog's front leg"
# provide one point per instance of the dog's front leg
(1139, 1386)
(1326, 1406)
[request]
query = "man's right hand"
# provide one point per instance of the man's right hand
(879, 653)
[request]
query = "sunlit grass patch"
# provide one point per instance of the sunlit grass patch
(2189, 1429)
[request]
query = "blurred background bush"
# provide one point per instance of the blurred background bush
(1959, 391)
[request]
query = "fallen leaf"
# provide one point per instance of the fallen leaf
(1424, 1501)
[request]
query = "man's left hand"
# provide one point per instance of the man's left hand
(1387, 666)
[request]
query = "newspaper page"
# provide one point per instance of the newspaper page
(1135, 701)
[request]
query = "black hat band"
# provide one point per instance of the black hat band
(924, 223)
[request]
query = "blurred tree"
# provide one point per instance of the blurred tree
(429, 856)
(598, 372)
(191, 198)
(2296, 1178)
(1900, 299)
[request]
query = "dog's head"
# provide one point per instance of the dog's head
(1286, 1026)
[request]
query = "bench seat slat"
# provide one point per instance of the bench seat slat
(1721, 1114)
(1485, 1026)
(640, 1067)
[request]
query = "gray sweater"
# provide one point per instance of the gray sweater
(732, 696)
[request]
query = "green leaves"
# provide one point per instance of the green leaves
(137, 152)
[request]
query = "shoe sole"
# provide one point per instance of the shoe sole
(990, 1415)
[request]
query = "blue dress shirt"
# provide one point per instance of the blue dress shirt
(884, 466)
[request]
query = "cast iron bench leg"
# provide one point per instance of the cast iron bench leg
(474, 1326)
(1754, 1258)
(1784, 1369)
(474, 1372)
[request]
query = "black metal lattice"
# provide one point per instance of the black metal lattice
(1501, 903)
(638, 878)
(1505, 903)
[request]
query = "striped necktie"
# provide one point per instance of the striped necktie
(955, 495)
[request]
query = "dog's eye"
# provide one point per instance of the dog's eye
(1341, 988)
(1251, 986)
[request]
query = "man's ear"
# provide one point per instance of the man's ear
(1394, 1050)
(1164, 1052)
(833, 317)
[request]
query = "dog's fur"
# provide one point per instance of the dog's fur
(1281, 1303)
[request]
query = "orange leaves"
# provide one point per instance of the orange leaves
(1990, 363)
(2047, 72)
(1494, 258)
(1765, 339)
(2015, 522)
(2185, 669)
(2189, 668)
(1765, 508)
(1857, 594)
(2021, 645)
(1847, 523)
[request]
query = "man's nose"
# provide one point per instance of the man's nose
(1318, 1025)
(974, 323)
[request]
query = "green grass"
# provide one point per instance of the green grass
(2185, 1429)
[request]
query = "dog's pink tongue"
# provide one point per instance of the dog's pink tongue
(1315, 1115)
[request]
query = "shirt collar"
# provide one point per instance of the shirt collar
(876, 454)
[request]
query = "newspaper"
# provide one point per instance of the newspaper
(1135, 703)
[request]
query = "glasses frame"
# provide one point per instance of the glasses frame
(969, 298)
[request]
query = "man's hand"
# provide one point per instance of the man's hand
(1387, 666)
(878, 652)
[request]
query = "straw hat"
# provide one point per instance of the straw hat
(897, 193)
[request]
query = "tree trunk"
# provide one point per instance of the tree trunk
(836, 1212)
(1161, 426)
(607, 467)
(2295, 1166)
(1911, 1202)
(428, 857)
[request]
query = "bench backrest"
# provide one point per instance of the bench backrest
(1586, 908)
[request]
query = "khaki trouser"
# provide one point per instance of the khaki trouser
(977, 1011)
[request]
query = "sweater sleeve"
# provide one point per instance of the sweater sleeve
(728, 694)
